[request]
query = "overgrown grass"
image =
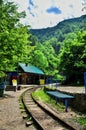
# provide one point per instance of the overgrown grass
(82, 121)
(40, 94)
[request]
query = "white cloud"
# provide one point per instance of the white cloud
(38, 17)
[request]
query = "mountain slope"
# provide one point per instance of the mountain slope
(58, 31)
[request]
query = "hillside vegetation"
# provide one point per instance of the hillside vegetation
(64, 47)
(61, 29)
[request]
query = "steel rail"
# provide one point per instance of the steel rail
(45, 118)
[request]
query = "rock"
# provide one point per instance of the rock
(25, 116)
(29, 123)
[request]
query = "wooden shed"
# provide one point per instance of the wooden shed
(29, 74)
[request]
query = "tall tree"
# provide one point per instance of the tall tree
(14, 44)
(72, 58)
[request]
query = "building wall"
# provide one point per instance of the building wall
(24, 78)
(28, 78)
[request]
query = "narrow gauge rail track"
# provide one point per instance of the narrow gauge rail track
(44, 119)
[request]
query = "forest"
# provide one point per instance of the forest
(59, 51)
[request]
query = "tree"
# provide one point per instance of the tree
(14, 44)
(39, 60)
(49, 53)
(72, 57)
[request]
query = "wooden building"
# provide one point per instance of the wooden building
(27, 74)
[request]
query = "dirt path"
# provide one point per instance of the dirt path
(10, 114)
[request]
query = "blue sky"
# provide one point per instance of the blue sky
(48, 13)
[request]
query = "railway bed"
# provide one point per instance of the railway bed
(43, 117)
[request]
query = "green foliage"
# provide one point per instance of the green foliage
(59, 51)
(37, 56)
(82, 121)
(64, 47)
(40, 94)
(44, 56)
(14, 44)
(73, 52)
(49, 88)
(49, 53)
(22, 106)
(58, 32)
(60, 78)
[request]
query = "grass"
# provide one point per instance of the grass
(21, 105)
(82, 121)
(40, 94)
(28, 118)
(23, 110)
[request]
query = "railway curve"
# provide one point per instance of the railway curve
(44, 117)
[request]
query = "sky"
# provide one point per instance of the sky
(48, 13)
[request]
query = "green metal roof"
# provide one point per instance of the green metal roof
(30, 69)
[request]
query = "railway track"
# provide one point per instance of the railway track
(42, 115)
